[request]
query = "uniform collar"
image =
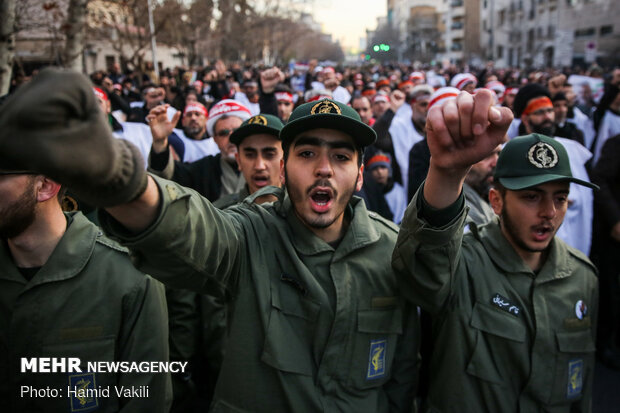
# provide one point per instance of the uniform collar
(501, 252)
(67, 260)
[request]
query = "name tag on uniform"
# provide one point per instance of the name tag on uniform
(575, 378)
(505, 304)
(376, 359)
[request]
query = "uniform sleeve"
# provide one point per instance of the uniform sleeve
(191, 244)
(403, 385)
(145, 338)
(425, 258)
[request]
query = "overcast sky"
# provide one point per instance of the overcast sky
(347, 20)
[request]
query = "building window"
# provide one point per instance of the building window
(551, 32)
(590, 31)
(109, 61)
(607, 30)
(500, 52)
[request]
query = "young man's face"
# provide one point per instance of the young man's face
(259, 159)
(379, 107)
(419, 108)
(221, 135)
(285, 108)
(322, 173)
(154, 97)
(560, 107)
(531, 217)
(380, 174)
(362, 107)
(194, 124)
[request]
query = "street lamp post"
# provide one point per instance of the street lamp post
(153, 43)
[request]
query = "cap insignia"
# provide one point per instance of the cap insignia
(325, 106)
(258, 120)
(542, 155)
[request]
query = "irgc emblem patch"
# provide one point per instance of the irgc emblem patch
(376, 359)
(82, 392)
(258, 120)
(325, 106)
(543, 156)
(575, 378)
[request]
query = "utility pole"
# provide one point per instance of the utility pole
(153, 43)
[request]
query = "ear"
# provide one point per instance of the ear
(525, 121)
(496, 201)
(360, 179)
(46, 188)
(237, 160)
(282, 175)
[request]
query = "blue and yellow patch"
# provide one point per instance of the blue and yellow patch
(82, 388)
(376, 359)
(575, 378)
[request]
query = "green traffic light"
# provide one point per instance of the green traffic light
(376, 48)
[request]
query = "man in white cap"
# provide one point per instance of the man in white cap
(464, 81)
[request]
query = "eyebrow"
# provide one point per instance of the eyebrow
(264, 149)
(313, 141)
(536, 189)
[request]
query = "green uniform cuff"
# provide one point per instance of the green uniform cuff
(438, 218)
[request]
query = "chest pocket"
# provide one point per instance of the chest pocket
(289, 335)
(496, 330)
(374, 346)
(573, 365)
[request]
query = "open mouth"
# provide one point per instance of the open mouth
(321, 199)
(260, 180)
(542, 232)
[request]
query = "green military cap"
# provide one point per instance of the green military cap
(531, 160)
(261, 123)
(328, 114)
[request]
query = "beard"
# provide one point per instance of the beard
(323, 220)
(545, 128)
(512, 230)
(192, 132)
(16, 217)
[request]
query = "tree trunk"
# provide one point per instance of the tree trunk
(7, 43)
(74, 43)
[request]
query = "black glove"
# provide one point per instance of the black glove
(53, 126)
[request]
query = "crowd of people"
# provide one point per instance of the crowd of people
(483, 238)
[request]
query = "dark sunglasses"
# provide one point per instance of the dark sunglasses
(224, 132)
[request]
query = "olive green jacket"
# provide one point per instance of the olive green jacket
(87, 301)
(311, 329)
(505, 339)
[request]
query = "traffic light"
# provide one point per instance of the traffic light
(381, 47)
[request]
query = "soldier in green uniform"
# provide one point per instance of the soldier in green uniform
(513, 307)
(68, 291)
(317, 319)
(259, 156)
(198, 321)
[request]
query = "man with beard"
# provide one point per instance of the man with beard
(534, 108)
(318, 323)
(67, 290)
(514, 308)
(212, 176)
